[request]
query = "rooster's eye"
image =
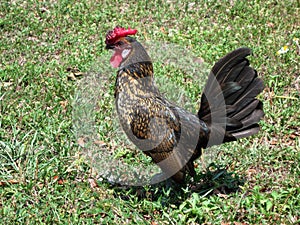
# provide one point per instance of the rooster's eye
(119, 43)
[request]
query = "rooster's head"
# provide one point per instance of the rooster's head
(127, 50)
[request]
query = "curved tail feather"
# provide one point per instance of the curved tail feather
(231, 91)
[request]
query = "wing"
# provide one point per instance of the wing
(155, 127)
(168, 134)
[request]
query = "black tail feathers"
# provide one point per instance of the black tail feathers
(228, 103)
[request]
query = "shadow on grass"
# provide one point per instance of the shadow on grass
(215, 180)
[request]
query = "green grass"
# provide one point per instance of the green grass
(44, 178)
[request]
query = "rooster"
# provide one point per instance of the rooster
(170, 135)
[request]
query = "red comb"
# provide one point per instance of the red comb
(118, 32)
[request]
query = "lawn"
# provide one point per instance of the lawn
(49, 48)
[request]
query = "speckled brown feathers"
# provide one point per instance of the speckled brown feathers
(154, 124)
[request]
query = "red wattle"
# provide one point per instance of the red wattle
(116, 60)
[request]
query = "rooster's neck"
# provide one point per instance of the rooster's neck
(138, 70)
(136, 78)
